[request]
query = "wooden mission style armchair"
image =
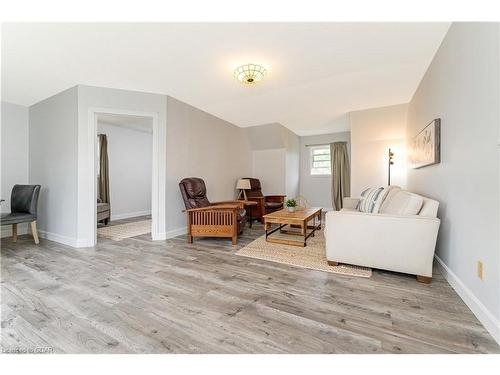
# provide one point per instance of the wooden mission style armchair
(210, 219)
(265, 204)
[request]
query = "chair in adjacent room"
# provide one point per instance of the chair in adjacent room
(23, 206)
(103, 212)
(210, 219)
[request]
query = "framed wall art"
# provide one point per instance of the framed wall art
(426, 148)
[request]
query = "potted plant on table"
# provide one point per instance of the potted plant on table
(291, 204)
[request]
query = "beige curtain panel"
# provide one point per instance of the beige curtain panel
(103, 181)
(341, 174)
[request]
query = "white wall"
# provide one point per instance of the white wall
(269, 166)
(198, 144)
(292, 165)
(267, 137)
(461, 87)
(53, 152)
(373, 132)
(15, 151)
(104, 98)
(276, 158)
(317, 190)
(202, 145)
(130, 153)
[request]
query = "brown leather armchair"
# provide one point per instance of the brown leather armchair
(265, 204)
(210, 219)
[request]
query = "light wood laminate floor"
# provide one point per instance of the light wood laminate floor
(139, 296)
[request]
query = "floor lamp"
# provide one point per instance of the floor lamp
(390, 162)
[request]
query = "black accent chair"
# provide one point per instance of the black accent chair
(23, 207)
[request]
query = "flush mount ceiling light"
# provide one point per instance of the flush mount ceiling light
(249, 73)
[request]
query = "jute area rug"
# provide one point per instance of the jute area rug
(313, 256)
(121, 231)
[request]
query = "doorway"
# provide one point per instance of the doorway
(158, 172)
(124, 176)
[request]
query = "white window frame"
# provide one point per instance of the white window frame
(311, 167)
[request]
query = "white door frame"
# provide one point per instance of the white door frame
(159, 156)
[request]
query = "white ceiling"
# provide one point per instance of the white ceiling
(317, 71)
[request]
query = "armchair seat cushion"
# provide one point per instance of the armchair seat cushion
(274, 205)
(16, 218)
(102, 207)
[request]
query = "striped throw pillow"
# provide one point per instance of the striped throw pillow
(369, 199)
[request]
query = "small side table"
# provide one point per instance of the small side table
(249, 204)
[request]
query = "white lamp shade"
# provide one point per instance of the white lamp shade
(243, 183)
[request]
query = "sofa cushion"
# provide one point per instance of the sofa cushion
(382, 197)
(429, 208)
(402, 202)
(368, 199)
(390, 194)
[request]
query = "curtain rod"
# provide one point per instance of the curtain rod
(318, 144)
(322, 144)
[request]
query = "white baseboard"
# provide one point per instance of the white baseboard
(159, 236)
(7, 230)
(130, 214)
(170, 234)
(176, 232)
(489, 321)
(73, 242)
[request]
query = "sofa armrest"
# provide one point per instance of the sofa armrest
(349, 202)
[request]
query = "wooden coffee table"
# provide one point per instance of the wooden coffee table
(299, 219)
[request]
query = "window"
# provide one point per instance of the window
(320, 160)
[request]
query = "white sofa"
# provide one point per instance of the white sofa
(400, 237)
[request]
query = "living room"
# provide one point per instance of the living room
(347, 202)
